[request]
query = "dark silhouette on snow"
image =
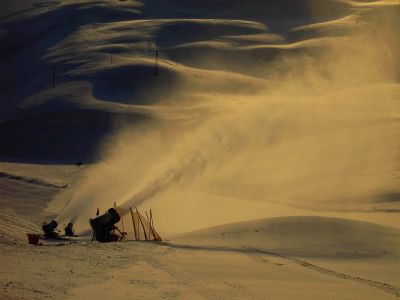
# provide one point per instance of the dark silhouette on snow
(104, 227)
(50, 230)
(69, 230)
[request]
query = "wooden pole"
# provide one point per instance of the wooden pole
(137, 225)
(156, 64)
(54, 75)
(151, 218)
(123, 227)
(157, 238)
(144, 230)
(147, 217)
(133, 222)
(151, 229)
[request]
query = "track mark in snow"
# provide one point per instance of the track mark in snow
(391, 289)
(35, 181)
(380, 285)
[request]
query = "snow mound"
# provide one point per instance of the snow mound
(302, 236)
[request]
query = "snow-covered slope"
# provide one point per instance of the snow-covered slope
(210, 112)
(302, 236)
(102, 56)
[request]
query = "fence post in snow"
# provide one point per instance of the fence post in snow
(156, 64)
(54, 75)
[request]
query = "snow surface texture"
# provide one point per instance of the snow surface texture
(253, 110)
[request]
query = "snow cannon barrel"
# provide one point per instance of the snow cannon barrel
(103, 225)
(50, 226)
(111, 217)
(50, 229)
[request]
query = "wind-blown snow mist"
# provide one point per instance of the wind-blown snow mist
(323, 134)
